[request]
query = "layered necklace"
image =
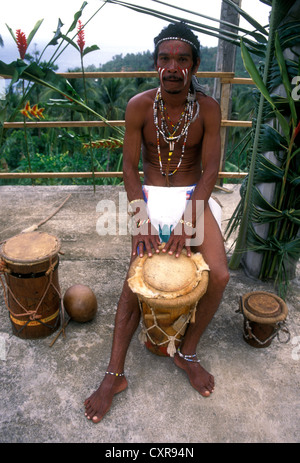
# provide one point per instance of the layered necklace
(168, 136)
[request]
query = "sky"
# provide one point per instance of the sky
(115, 29)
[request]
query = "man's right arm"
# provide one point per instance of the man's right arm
(144, 234)
(132, 148)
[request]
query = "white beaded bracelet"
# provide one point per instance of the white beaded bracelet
(189, 224)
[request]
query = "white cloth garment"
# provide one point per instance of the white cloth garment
(166, 205)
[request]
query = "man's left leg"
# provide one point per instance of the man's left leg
(213, 252)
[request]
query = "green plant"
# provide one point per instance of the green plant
(276, 129)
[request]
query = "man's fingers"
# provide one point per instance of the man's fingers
(141, 247)
(179, 249)
(188, 251)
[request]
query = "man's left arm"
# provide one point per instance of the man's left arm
(210, 155)
(210, 161)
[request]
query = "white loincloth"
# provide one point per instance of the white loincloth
(166, 205)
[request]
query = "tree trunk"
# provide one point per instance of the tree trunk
(225, 63)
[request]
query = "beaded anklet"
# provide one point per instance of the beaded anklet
(114, 374)
(188, 358)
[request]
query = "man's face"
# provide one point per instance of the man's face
(175, 65)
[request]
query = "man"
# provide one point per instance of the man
(178, 132)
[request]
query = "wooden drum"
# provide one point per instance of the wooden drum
(168, 289)
(264, 317)
(29, 263)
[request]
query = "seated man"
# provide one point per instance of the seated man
(177, 128)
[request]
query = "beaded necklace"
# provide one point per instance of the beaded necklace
(171, 138)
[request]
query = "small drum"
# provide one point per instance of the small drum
(29, 263)
(264, 316)
(168, 290)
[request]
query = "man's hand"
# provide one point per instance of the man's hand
(145, 239)
(179, 238)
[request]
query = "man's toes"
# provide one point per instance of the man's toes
(211, 383)
(204, 392)
(96, 419)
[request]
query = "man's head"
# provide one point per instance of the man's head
(176, 57)
(178, 31)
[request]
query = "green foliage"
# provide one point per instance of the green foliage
(107, 97)
(276, 128)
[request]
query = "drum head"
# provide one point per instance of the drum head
(164, 279)
(263, 307)
(30, 247)
(167, 273)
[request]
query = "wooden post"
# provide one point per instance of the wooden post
(225, 62)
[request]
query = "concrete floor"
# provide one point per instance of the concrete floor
(43, 388)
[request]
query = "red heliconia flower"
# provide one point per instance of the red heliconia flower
(26, 110)
(80, 36)
(21, 43)
(35, 111)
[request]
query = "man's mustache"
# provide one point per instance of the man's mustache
(172, 78)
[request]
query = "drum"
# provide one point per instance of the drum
(168, 290)
(264, 316)
(29, 263)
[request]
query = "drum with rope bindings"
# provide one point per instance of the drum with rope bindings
(29, 275)
(264, 318)
(168, 289)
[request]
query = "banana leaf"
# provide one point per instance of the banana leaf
(254, 74)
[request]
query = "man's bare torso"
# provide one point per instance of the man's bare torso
(189, 171)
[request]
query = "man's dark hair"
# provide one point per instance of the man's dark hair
(182, 31)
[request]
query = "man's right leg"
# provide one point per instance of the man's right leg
(126, 322)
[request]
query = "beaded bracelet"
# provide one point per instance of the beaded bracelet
(189, 224)
(133, 212)
(114, 374)
(136, 201)
(140, 222)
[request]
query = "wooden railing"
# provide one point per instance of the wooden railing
(227, 79)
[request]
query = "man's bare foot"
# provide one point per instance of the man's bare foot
(99, 403)
(199, 378)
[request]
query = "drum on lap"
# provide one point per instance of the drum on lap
(168, 289)
(29, 265)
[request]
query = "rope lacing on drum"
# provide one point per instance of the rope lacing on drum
(171, 340)
(32, 314)
(279, 326)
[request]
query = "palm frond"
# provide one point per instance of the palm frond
(257, 46)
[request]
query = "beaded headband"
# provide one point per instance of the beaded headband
(177, 38)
